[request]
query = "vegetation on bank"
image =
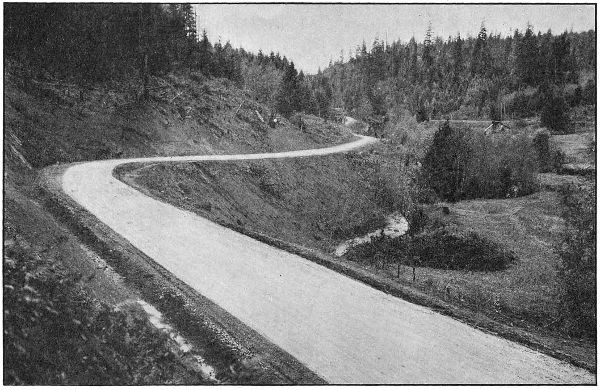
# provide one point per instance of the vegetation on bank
(462, 164)
(81, 92)
(438, 248)
(56, 334)
(577, 270)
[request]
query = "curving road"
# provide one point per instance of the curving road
(341, 329)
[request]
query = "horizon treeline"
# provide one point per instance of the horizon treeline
(482, 76)
(486, 75)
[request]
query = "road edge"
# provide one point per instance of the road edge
(476, 320)
(200, 320)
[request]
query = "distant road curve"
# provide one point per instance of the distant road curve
(341, 329)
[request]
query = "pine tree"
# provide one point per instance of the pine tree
(559, 58)
(427, 50)
(528, 61)
(204, 54)
(480, 59)
(445, 162)
(287, 97)
(457, 60)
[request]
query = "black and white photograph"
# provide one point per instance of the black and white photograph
(299, 194)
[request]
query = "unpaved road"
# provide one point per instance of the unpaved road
(343, 330)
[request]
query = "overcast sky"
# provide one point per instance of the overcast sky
(311, 35)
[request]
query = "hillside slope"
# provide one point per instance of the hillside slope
(55, 274)
(51, 121)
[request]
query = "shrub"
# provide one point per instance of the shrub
(549, 159)
(588, 95)
(445, 163)
(577, 270)
(453, 251)
(554, 114)
(500, 166)
(462, 165)
(437, 248)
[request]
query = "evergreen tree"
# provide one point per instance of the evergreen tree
(480, 59)
(427, 56)
(204, 54)
(559, 62)
(555, 115)
(457, 60)
(287, 97)
(445, 162)
(528, 61)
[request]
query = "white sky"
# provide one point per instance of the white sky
(312, 34)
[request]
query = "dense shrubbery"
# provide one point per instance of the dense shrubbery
(437, 248)
(446, 161)
(577, 272)
(555, 115)
(549, 159)
(500, 166)
(523, 103)
(54, 334)
(465, 165)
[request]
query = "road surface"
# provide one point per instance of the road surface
(343, 330)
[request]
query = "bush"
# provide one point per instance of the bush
(577, 270)
(446, 250)
(555, 114)
(500, 166)
(549, 159)
(445, 162)
(588, 95)
(437, 248)
(522, 104)
(463, 165)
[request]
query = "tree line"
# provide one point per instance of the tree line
(483, 76)
(100, 42)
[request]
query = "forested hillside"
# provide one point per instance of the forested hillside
(487, 76)
(90, 43)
